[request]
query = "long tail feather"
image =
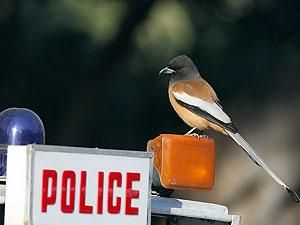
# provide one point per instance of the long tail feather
(259, 161)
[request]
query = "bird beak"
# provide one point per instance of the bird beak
(166, 70)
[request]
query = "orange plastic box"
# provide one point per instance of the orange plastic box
(184, 162)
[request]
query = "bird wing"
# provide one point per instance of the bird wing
(209, 110)
(214, 113)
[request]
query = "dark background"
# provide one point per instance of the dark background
(89, 69)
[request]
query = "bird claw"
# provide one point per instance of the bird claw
(198, 135)
(194, 135)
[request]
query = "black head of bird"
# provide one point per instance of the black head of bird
(181, 67)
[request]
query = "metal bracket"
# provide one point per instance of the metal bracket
(186, 212)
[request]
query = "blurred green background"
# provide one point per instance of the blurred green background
(89, 69)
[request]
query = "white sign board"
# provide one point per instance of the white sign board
(49, 185)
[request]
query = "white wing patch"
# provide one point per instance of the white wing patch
(210, 107)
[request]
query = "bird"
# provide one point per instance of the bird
(197, 104)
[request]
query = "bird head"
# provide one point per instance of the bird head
(180, 67)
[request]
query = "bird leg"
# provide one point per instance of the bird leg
(190, 131)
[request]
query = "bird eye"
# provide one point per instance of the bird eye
(172, 67)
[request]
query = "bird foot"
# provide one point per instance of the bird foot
(198, 135)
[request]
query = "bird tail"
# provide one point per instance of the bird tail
(260, 162)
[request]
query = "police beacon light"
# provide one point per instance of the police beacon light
(19, 126)
(184, 162)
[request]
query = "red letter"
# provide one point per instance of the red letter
(68, 176)
(48, 200)
(114, 176)
(83, 208)
(100, 193)
(130, 194)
